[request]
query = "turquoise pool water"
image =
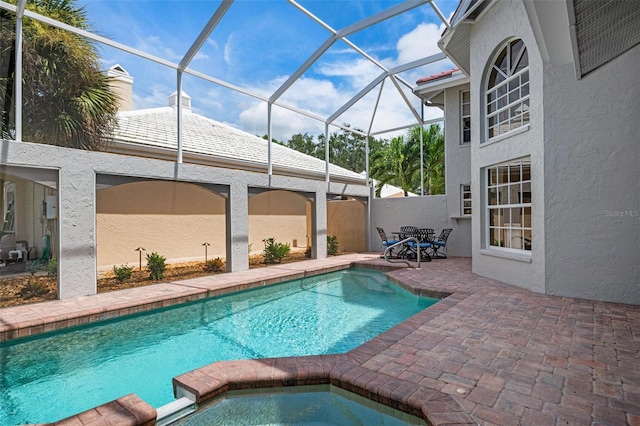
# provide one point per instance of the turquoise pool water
(308, 405)
(50, 377)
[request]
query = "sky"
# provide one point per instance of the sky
(259, 44)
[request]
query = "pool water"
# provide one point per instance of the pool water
(307, 405)
(50, 377)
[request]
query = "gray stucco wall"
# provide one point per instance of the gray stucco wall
(77, 198)
(424, 212)
(505, 20)
(458, 171)
(592, 180)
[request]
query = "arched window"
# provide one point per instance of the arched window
(507, 94)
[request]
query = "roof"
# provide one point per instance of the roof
(156, 128)
(441, 75)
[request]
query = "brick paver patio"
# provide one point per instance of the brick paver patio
(504, 355)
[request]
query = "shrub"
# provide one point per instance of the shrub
(52, 268)
(307, 253)
(156, 266)
(34, 288)
(214, 265)
(275, 252)
(332, 245)
(122, 273)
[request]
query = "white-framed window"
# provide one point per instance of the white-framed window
(465, 199)
(507, 90)
(465, 117)
(508, 204)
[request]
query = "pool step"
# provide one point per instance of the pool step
(173, 411)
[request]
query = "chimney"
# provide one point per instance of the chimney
(186, 101)
(121, 83)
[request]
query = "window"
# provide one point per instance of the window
(509, 206)
(465, 199)
(465, 114)
(507, 95)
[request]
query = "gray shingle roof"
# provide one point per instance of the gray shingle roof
(157, 128)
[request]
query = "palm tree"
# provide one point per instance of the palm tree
(433, 157)
(66, 98)
(396, 164)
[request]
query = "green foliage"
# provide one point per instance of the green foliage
(274, 252)
(156, 266)
(214, 265)
(307, 253)
(332, 245)
(68, 101)
(398, 162)
(34, 288)
(52, 268)
(346, 149)
(123, 272)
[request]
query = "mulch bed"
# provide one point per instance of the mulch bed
(11, 287)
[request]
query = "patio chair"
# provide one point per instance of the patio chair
(440, 244)
(425, 238)
(386, 242)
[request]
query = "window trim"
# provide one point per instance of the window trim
(463, 116)
(522, 229)
(512, 74)
(462, 200)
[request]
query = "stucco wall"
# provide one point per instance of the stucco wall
(76, 173)
(458, 172)
(505, 20)
(277, 214)
(592, 161)
(346, 219)
(173, 219)
(424, 212)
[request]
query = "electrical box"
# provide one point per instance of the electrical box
(52, 207)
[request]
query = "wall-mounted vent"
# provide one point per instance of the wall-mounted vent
(604, 29)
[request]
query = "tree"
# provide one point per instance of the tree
(398, 162)
(303, 143)
(66, 98)
(347, 149)
(433, 157)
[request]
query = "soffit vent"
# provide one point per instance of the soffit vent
(604, 30)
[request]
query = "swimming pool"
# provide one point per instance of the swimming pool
(49, 377)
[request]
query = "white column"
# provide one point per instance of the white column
(237, 210)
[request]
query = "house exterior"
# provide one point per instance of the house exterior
(545, 104)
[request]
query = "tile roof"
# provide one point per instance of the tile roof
(443, 74)
(157, 128)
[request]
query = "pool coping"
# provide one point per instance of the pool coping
(347, 371)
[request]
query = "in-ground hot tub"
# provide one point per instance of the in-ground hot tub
(316, 404)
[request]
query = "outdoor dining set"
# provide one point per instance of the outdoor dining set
(411, 241)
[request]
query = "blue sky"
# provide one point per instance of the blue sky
(259, 44)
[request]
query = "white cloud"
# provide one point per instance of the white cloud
(228, 50)
(421, 42)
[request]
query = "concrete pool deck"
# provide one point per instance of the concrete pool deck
(518, 356)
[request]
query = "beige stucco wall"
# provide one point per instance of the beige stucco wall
(277, 214)
(346, 219)
(171, 218)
